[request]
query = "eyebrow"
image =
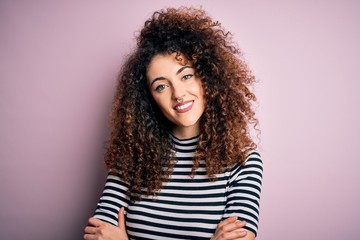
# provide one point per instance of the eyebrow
(162, 78)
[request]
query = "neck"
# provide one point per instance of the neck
(186, 132)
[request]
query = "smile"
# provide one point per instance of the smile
(184, 107)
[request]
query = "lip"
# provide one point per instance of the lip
(190, 103)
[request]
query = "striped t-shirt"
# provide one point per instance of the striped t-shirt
(187, 207)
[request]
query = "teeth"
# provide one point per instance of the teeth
(184, 106)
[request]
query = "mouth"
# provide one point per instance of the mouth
(184, 107)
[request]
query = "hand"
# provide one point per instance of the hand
(230, 228)
(100, 230)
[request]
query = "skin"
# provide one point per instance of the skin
(232, 229)
(229, 229)
(169, 80)
(100, 230)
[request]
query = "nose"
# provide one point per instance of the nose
(178, 91)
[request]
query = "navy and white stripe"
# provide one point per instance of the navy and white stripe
(187, 207)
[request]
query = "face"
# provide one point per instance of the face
(177, 92)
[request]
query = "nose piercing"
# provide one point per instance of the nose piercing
(179, 100)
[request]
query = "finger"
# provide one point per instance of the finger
(233, 235)
(89, 237)
(237, 234)
(121, 218)
(227, 221)
(240, 224)
(234, 226)
(90, 230)
(95, 222)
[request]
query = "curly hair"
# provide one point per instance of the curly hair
(139, 149)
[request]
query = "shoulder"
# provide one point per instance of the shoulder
(252, 166)
(253, 158)
(114, 179)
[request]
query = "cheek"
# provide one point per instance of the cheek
(202, 97)
(200, 91)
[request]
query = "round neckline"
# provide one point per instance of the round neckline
(184, 139)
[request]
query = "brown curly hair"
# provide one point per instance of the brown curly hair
(139, 148)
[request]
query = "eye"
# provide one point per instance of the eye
(187, 76)
(160, 87)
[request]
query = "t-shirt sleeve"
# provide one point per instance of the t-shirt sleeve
(243, 199)
(112, 199)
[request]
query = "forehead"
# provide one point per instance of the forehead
(165, 60)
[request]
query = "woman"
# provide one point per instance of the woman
(182, 164)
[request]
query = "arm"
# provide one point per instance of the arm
(233, 229)
(109, 221)
(244, 194)
(101, 230)
(114, 197)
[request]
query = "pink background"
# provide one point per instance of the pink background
(58, 63)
